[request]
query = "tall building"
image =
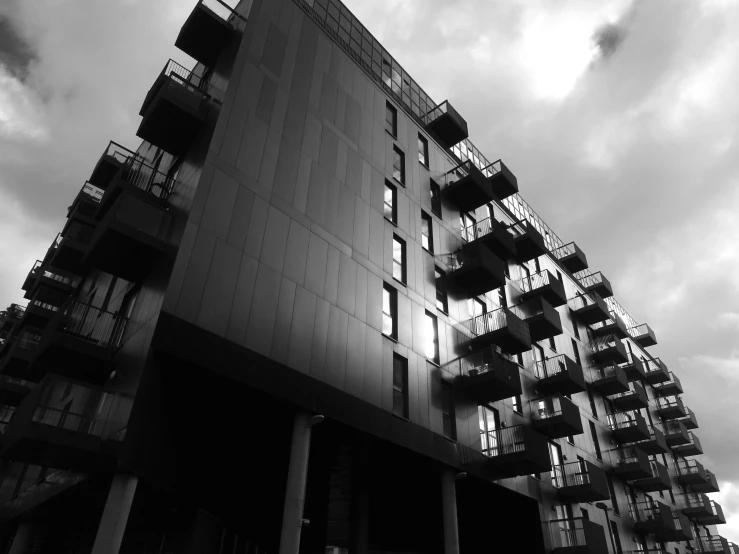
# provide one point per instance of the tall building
(307, 314)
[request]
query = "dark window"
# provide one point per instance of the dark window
(391, 203)
(447, 411)
(584, 513)
(389, 311)
(436, 198)
(398, 259)
(432, 338)
(398, 165)
(400, 386)
(552, 344)
(391, 119)
(576, 351)
(423, 150)
(502, 298)
(467, 225)
(616, 538)
(517, 404)
(576, 330)
(441, 295)
(596, 444)
(559, 276)
(427, 235)
(592, 403)
(571, 439)
(536, 265)
(489, 425)
(612, 492)
(519, 359)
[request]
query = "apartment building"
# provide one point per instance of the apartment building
(307, 314)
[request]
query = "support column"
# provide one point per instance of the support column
(115, 514)
(360, 506)
(23, 536)
(449, 511)
(297, 476)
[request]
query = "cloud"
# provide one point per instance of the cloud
(608, 38)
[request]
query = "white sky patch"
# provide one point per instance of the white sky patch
(728, 499)
(19, 110)
(727, 320)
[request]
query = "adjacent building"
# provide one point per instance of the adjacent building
(307, 314)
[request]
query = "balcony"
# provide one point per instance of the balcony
(656, 371)
(503, 327)
(475, 271)
(42, 306)
(510, 452)
(580, 481)
(571, 257)
(207, 30)
(468, 188)
(10, 318)
(609, 349)
(658, 481)
(632, 463)
(486, 376)
(671, 407)
(690, 421)
(609, 380)
(174, 109)
(502, 179)
(633, 399)
(559, 374)
(634, 367)
(643, 335)
(691, 472)
(448, 126)
(711, 486)
(695, 505)
(653, 517)
(543, 320)
(107, 167)
(628, 427)
(528, 241)
(493, 236)
(42, 274)
(595, 282)
(13, 390)
(85, 204)
(576, 536)
(543, 285)
(134, 222)
(671, 387)
(656, 443)
(693, 448)
(556, 417)
(68, 249)
(683, 529)
(614, 325)
(80, 343)
(20, 352)
(59, 436)
(676, 434)
(717, 515)
(711, 544)
(589, 308)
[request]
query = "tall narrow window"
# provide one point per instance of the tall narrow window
(612, 492)
(596, 444)
(436, 198)
(555, 458)
(391, 203)
(552, 344)
(489, 425)
(502, 300)
(447, 411)
(400, 386)
(398, 259)
(467, 223)
(432, 338)
(389, 311)
(427, 236)
(616, 538)
(423, 150)
(398, 165)
(391, 119)
(442, 302)
(576, 330)
(476, 307)
(517, 404)
(576, 352)
(592, 403)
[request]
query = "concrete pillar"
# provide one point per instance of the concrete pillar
(360, 507)
(297, 476)
(115, 514)
(449, 511)
(23, 536)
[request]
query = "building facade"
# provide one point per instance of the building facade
(307, 314)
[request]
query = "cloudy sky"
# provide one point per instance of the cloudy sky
(619, 117)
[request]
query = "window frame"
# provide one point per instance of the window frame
(399, 155)
(394, 206)
(400, 363)
(391, 126)
(435, 193)
(427, 219)
(440, 275)
(403, 262)
(393, 307)
(433, 322)
(448, 411)
(423, 151)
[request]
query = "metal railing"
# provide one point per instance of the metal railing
(654, 366)
(535, 281)
(565, 250)
(78, 232)
(603, 343)
(686, 466)
(186, 77)
(639, 330)
(545, 408)
(506, 440)
(567, 533)
(629, 455)
(491, 321)
(48, 299)
(693, 500)
(484, 361)
(646, 511)
(623, 420)
(492, 168)
(54, 274)
(94, 325)
(571, 474)
(144, 177)
(588, 279)
(672, 401)
(88, 200)
(14, 311)
(710, 543)
(580, 301)
(480, 229)
(603, 371)
(634, 388)
(613, 319)
(221, 9)
(551, 366)
(440, 109)
(28, 340)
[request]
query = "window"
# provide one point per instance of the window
(447, 411)
(584, 513)
(519, 359)
(538, 354)
(400, 386)
(476, 307)
(576, 351)
(576, 330)
(389, 311)
(427, 235)
(391, 203)
(592, 403)
(571, 439)
(489, 425)
(612, 492)
(436, 198)
(423, 150)
(596, 444)
(559, 276)
(441, 296)
(502, 301)
(432, 338)
(616, 538)
(555, 457)
(552, 344)
(517, 404)
(468, 227)
(398, 259)
(398, 165)
(391, 119)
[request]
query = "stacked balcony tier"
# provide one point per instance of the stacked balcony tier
(643, 335)
(556, 417)
(528, 241)
(486, 376)
(19, 352)
(543, 320)
(491, 234)
(676, 434)
(595, 282)
(711, 544)
(695, 505)
(44, 275)
(576, 536)
(475, 271)
(717, 515)
(559, 374)
(571, 257)
(656, 443)
(628, 427)
(589, 308)
(543, 285)
(691, 448)
(468, 188)
(632, 463)
(614, 325)
(510, 452)
(656, 371)
(580, 481)
(503, 327)
(653, 517)
(671, 407)
(502, 180)
(670, 387)
(207, 30)
(609, 380)
(633, 399)
(691, 473)
(608, 349)
(659, 480)
(634, 367)
(446, 124)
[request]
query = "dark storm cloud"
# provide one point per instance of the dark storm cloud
(608, 38)
(15, 53)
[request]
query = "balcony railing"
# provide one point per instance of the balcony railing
(490, 232)
(543, 284)
(628, 426)
(504, 326)
(507, 440)
(489, 377)
(589, 308)
(643, 335)
(717, 514)
(53, 274)
(692, 448)
(595, 282)
(575, 535)
(580, 481)
(609, 379)
(87, 201)
(559, 374)
(446, 123)
(556, 417)
(614, 325)
(543, 320)
(94, 325)
(711, 544)
(608, 349)
(671, 407)
(690, 421)
(670, 387)
(633, 399)
(47, 299)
